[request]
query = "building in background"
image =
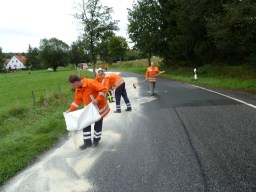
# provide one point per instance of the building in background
(17, 62)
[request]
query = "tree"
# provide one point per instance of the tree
(132, 54)
(54, 53)
(145, 27)
(206, 31)
(102, 50)
(33, 58)
(78, 53)
(102, 47)
(117, 47)
(185, 30)
(233, 30)
(190, 41)
(96, 21)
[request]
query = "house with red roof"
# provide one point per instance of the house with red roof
(16, 62)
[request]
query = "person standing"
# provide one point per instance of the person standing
(115, 81)
(87, 91)
(106, 67)
(151, 74)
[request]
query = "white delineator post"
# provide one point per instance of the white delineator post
(195, 75)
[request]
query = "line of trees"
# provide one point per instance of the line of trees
(195, 31)
(98, 41)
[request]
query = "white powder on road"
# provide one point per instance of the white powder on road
(64, 169)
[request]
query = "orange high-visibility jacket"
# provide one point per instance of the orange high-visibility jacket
(106, 66)
(99, 79)
(114, 81)
(91, 89)
(151, 73)
(110, 80)
(104, 80)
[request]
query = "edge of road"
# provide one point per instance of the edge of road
(231, 95)
(248, 99)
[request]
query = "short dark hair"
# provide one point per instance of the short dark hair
(73, 78)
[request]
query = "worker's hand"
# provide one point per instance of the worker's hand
(162, 71)
(68, 111)
(95, 101)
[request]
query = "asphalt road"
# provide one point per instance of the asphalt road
(183, 138)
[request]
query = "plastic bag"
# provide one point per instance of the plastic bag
(79, 119)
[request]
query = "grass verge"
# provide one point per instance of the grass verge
(28, 130)
(240, 78)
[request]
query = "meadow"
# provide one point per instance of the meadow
(29, 127)
(20, 88)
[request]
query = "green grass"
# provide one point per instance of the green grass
(17, 88)
(27, 130)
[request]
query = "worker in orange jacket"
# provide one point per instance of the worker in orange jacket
(101, 79)
(151, 73)
(114, 81)
(87, 91)
(106, 67)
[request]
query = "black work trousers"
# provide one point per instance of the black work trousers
(121, 91)
(97, 132)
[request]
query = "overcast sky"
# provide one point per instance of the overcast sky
(26, 22)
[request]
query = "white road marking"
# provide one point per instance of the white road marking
(238, 100)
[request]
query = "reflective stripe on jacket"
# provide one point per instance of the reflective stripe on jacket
(115, 81)
(104, 80)
(90, 90)
(151, 73)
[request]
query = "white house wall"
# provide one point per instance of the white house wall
(14, 63)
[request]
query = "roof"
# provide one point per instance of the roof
(21, 58)
(6, 61)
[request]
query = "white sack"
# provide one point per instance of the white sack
(79, 119)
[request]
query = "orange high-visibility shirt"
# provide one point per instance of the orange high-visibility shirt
(90, 90)
(151, 73)
(106, 66)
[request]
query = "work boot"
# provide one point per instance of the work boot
(128, 109)
(117, 111)
(95, 144)
(85, 146)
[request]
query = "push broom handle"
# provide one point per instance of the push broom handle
(134, 84)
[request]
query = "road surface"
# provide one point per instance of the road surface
(184, 138)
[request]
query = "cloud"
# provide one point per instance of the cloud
(26, 22)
